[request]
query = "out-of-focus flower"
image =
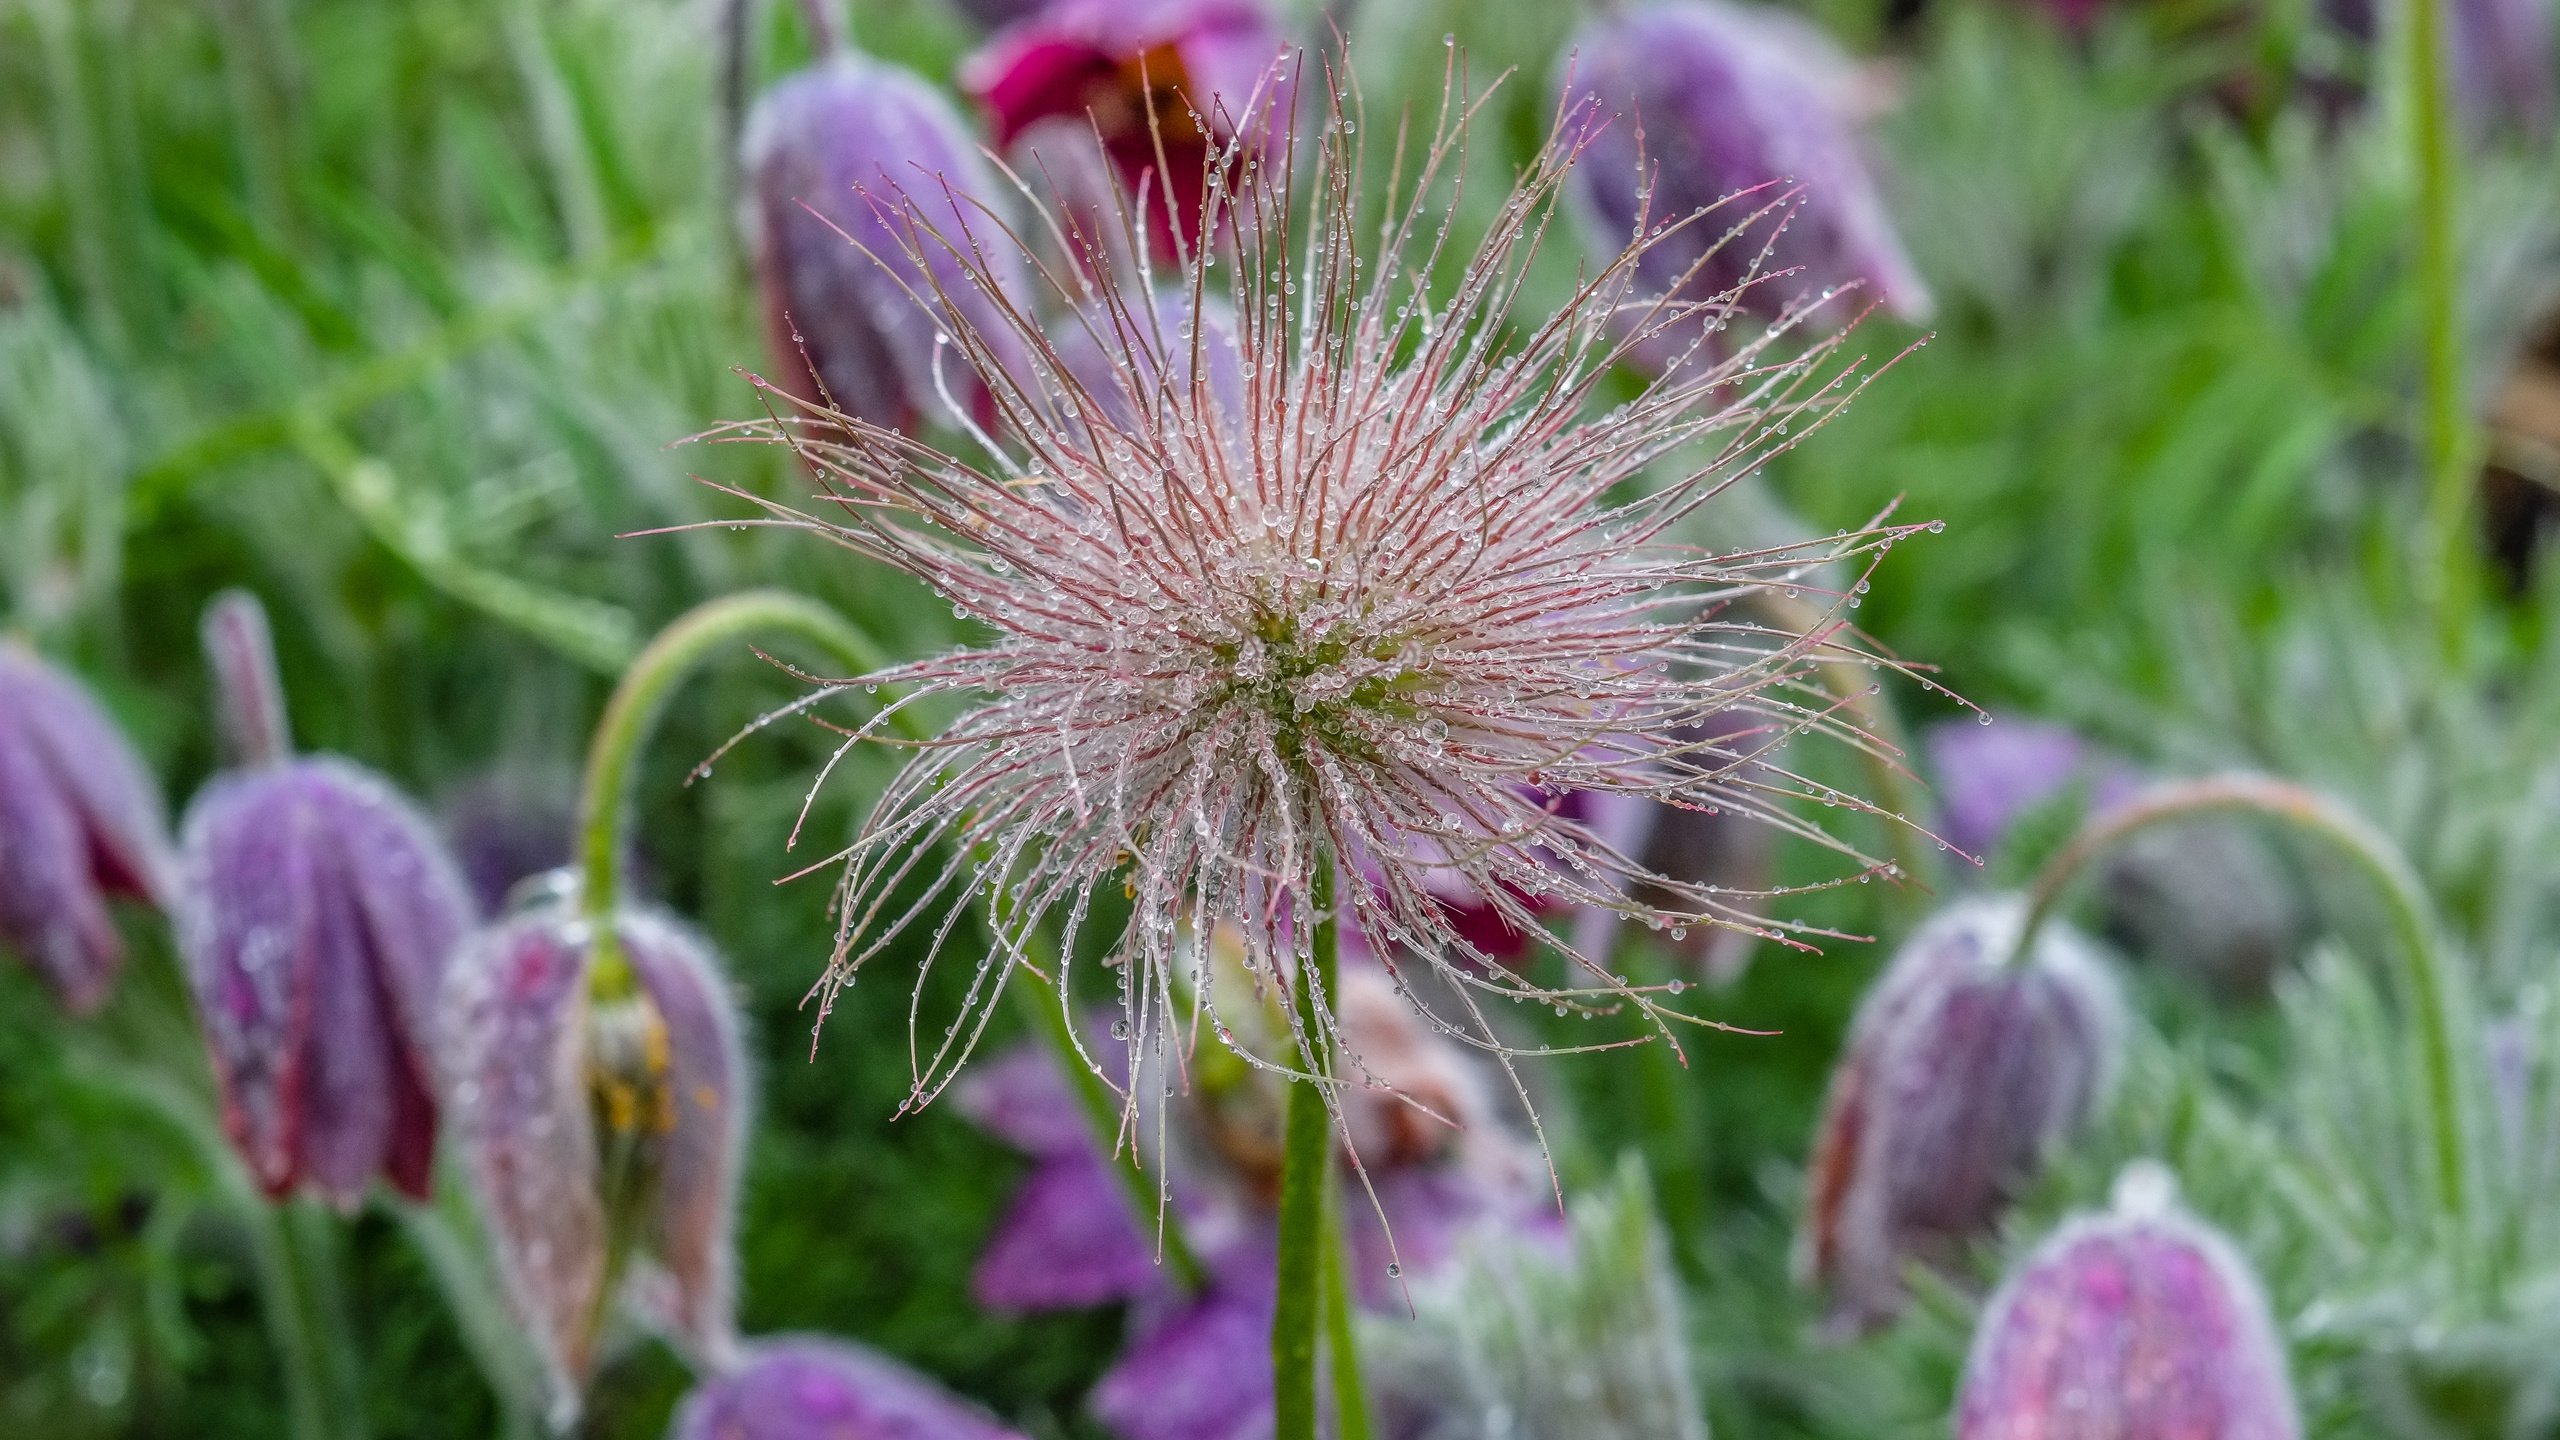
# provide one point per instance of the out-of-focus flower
(1202, 1369)
(1694, 103)
(507, 826)
(317, 911)
(2207, 898)
(1146, 77)
(601, 1116)
(1962, 1071)
(844, 162)
(996, 14)
(1385, 643)
(2137, 1324)
(808, 1388)
(80, 821)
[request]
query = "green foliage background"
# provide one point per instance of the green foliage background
(395, 314)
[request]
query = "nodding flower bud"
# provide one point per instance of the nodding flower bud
(1149, 78)
(806, 1388)
(2137, 1323)
(863, 193)
(600, 1109)
(80, 820)
(1962, 1071)
(316, 911)
(1687, 105)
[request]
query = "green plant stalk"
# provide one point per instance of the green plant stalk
(290, 1329)
(632, 713)
(2446, 568)
(2429, 980)
(437, 1230)
(1306, 1163)
(1341, 1337)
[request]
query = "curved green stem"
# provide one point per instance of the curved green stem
(2446, 568)
(641, 698)
(2430, 981)
(1306, 1162)
(603, 813)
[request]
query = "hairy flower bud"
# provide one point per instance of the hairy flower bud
(601, 1112)
(1962, 1071)
(861, 180)
(807, 1388)
(2135, 1324)
(80, 820)
(317, 910)
(1690, 103)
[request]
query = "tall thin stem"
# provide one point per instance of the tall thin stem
(2446, 568)
(2429, 980)
(1306, 1159)
(1342, 1348)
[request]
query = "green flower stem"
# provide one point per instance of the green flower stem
(2430, 980)
(1306, 1162)
(444, 1232)
(1350, 1396)
(612, 758)
(291, 1329)
(2446, 569)
(633, 713)
(1046, 1012)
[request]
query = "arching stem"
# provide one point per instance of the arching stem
(632, 714)
(2429, 980)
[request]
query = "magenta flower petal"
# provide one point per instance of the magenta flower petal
(317, 911)
(1203, 1373)
(815, 1389)
(843, 162)
(1989, 775)
(2132, 1325)
(513, 1014)
(1727, 99)
(1069, 1239)
(80, 820)
(1961, 1073)
(1020, 1098)
(702, 1151)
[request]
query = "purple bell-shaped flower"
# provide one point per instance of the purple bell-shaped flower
(863, 188)
(1962, 1071)
(807, 1388)
(80, 822)
(1692, 102)
(600, 1107)
(316, 910)
(2133, 1325)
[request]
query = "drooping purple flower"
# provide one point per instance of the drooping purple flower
(317, 910)
(80, 822)
(506, 826)
(602, 1117)
(1961, 1073)
(1716, 110)
(1175, 78)
(858, 300)
(1989, 775)
(811, 1388)
(2139, 1324)
(1201, 1371)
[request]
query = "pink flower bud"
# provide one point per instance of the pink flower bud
(1962, 1072)
(602, 1121)
(863, 191)
(2137, 1324)
(80, 820)
(1699, 100)
(816, 1389)
(317, 910)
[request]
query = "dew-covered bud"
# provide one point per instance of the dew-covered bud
(80, 821)
(1685, 105)
(2136, 1324)
(600, 1110)
(1148, 77)
(863, 188)
(317, 910)
(808, 1388)
(1962, 1071)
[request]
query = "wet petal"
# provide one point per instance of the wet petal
(814, 1389)
(691, 1233)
